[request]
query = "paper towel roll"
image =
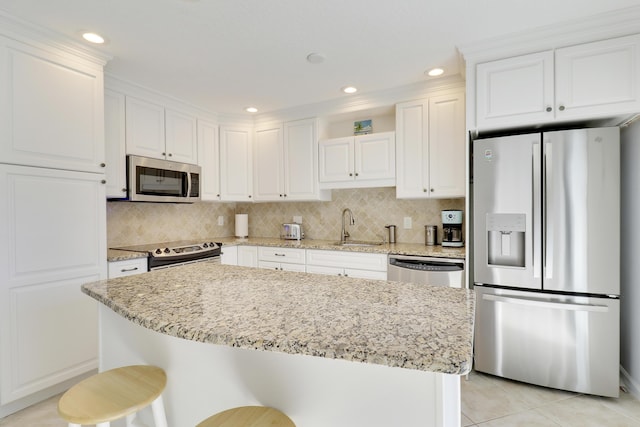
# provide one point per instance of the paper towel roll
(242, 225)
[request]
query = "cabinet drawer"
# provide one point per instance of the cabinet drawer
(345, 259)
(288, 255)
(283, 266)
(127, 267)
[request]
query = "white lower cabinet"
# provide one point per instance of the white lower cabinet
(351, 264)
(275, 258)
(229, 255)
(52, 240)
(248, 256)
(127, 267)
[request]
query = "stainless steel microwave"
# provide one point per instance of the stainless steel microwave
(155, 180)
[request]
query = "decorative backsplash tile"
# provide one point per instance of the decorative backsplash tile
(130, 223)
(372, 208)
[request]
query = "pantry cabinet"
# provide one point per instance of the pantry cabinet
(358, 161)
(430, 147)
(285, 162)
(54, 240)
(585, 81)
(161, 133)
(236, 166)
(51, 108)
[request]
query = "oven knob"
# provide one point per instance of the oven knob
(213, 245)
(158, 251)
(206, 245)
(166, 250)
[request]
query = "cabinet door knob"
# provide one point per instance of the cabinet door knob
(102, 165)
(281, 195)
(249, 195)
(285, 195)
(170, 154)
(549, 109)
(432, 190)
(424, 190)
(164, 154)
(356, 173)
(350, 174)
(124, 190)
(561, 108)
(104, 181)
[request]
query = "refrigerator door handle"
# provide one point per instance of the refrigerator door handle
(547, 210)
(536, 227)
(547, 304)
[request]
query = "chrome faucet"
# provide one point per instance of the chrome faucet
(345, 233)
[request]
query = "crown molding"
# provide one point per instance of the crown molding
(602, 26)
(43, 38)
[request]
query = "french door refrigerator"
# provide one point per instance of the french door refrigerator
(546, 258)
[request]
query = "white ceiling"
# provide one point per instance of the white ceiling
(224, 55)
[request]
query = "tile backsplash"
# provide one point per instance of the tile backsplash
(130, 223)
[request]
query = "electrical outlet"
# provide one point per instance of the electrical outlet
(297, 219)
(220, 220)
(407, 222)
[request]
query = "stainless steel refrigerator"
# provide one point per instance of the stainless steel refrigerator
(547, 258)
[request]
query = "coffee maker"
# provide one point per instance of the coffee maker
(452, 228)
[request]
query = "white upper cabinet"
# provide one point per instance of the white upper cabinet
(598, 79)
(156, 132)
(236, 167)
(358, 161)
(115, 146)
(181, 139)
(268, 173)
(209, 160)
(51, 109)
(430, 144)
(285, 163)
(586, 81)
(515, 91)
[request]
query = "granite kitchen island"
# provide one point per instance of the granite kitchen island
(326, 350)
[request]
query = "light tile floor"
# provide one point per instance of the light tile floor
(487, 401)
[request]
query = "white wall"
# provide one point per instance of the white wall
(630, 250)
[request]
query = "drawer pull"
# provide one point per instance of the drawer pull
(280, 255)
(126, 270)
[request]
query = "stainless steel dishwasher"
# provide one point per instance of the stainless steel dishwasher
(426, 270)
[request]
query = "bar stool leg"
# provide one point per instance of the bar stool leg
(159, 417)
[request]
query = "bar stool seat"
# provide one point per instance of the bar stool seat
(248, 416)
(115, 394)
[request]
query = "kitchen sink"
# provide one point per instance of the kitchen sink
(358, 243)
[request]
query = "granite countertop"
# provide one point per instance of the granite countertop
(386, 248)
(395, 324)
(120, 255)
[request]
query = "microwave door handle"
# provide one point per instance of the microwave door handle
(188, 189)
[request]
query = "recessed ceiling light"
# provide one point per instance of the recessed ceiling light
(434, 72)
(349, 89)
(93, 37)
(251, 110)
(315, 58)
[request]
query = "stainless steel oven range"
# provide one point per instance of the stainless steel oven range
(171, 254)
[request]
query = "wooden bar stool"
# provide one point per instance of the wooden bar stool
(248, 416)
(113, 395)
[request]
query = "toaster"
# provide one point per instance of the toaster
(291, 231)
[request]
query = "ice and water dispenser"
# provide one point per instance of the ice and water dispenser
(506, 239)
